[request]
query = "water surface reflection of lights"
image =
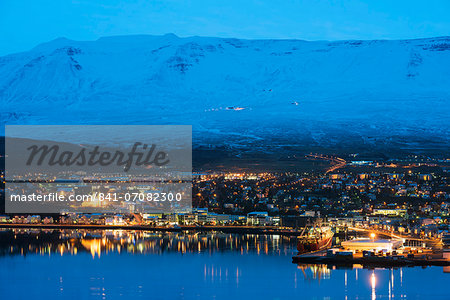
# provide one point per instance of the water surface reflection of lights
(98, 242)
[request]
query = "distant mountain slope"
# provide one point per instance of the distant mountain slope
(255, 93)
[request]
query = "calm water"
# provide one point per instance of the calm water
(81, 264)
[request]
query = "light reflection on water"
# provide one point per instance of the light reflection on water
(98, 242)
(102, 264)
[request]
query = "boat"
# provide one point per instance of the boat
(317, 238)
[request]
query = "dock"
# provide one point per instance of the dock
(427, 258)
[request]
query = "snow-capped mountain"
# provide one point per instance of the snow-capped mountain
(254, 93)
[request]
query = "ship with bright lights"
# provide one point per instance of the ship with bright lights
(315, 239)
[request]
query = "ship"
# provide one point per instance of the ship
(317, 238)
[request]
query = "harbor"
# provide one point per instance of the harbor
(375, 252)
(213, 264)
(369, 259)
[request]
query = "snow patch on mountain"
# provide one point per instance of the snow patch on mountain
(238, 91)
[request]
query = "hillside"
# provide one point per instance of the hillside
(240, 93)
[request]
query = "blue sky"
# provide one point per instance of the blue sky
(26, 23)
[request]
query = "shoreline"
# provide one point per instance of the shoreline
(181, 228)
(374, 262)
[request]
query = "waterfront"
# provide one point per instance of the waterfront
(106, 264)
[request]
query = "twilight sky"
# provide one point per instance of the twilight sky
(26, 23)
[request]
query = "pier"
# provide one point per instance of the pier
(426, 258)
(398, 250)
(408, 240)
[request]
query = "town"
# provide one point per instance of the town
(405, 197)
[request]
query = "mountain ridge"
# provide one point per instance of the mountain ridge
(239, 92)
